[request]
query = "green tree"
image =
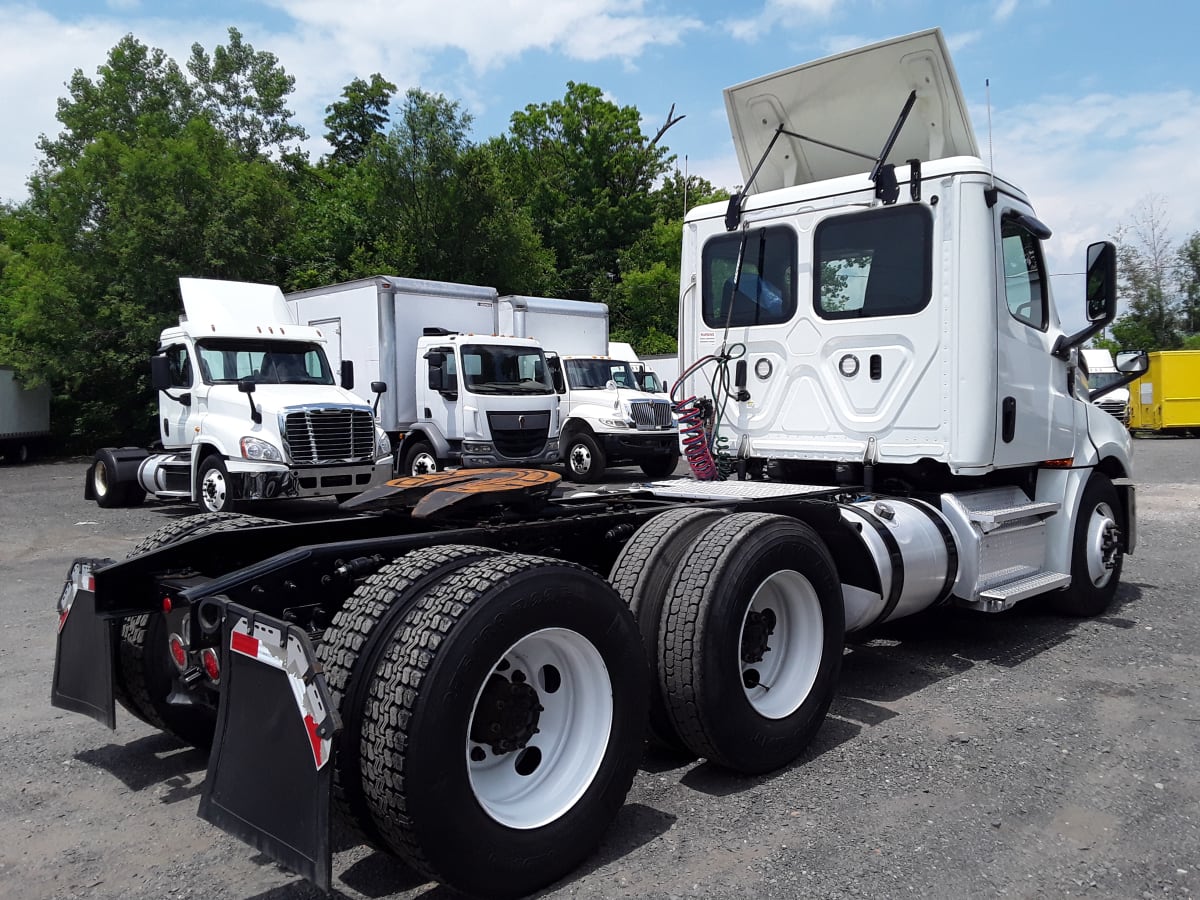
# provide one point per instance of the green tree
(357, 118)
(1188, 261)
(1145, 262)
(586, 171)
(245, 92)
(139, 189)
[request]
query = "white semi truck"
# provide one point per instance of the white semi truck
(249, 409)
(607, 418)
(898, 424)
(1102, 371)
(457, 393)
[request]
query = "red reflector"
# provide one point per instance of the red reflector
(166, 604)
(178, 651)
(310, 726)
(212, 666)
(91, 584)
(243, 643)
(62, 618)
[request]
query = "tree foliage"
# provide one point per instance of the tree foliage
(1160, 284)
(159, 172)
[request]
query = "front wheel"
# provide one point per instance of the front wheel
(508, 713)
(216, 487)
(584, 458)
(420, 459)
(1096, 552)
(659, 466)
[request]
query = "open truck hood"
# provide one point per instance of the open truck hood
(240, 309)
(852, 100)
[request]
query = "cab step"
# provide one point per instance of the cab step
(1003, 596)
(1001, 515)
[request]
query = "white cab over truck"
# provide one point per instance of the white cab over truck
(885, 415)
(24, 418)
(607, 419)
(249, 409)
(1101, 373)
(457, 395)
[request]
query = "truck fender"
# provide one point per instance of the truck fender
(423, 433)
(199, 452)
(122, 461)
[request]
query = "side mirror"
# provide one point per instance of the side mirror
(378, 387)
(246, 386)
(160, 373)
(1101, 297)
(435, 375)
(1132, 362)
(348, 374)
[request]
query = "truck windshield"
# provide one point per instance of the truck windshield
(1097, 380)
(594, 374)
(229, 360)
(497, 369)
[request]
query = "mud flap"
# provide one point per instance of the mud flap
(83, 655)
(269, 779)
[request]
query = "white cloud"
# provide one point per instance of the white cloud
(1004, 10)
(1087, 162)
(779, 12)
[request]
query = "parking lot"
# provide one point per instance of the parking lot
(1016, 755)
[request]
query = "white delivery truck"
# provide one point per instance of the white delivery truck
(249, 409)
(892, 379)
(24, 417)
(607, 418)
(457, 395)
(1101, 373)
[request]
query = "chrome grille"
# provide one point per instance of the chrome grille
(321, 436)
(651, 413)
(1114, 408)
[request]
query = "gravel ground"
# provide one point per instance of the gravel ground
(1019, 755)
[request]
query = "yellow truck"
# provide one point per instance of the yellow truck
(1167, 398)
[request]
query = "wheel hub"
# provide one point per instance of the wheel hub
(758, 629)
(507, 715)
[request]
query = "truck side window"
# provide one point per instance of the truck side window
(766, 289)
(876, 263)
(1023, 274)
(180, 366)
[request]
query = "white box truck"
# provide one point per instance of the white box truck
(24, 418)
(457, 395)
(249, 409)
(607, 419)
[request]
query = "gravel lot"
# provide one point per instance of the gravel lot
(1018, 755)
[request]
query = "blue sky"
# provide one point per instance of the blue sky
(1095, 105)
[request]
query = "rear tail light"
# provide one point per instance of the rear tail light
(178, 651)
(211, 664)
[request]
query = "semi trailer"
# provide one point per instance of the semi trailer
(885, 417)
(24, 418)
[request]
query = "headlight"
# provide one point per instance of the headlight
(383, 444)
(614, 423)
(476, 447)
(254, 448)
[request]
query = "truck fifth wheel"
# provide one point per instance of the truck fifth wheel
(884, 414)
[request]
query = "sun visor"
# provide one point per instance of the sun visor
(851, 100)
(233, 305)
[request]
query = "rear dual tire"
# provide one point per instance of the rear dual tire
(502, 703)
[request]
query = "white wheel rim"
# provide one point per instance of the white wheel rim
(424, 464)
(100, 480)
(581, 459)
(535, 785)
(785, 674)
(1102, 529)
(212, 490)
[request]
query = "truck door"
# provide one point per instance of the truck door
(441, 406)
(175, 418)
(1035, 413)
(332, 329)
